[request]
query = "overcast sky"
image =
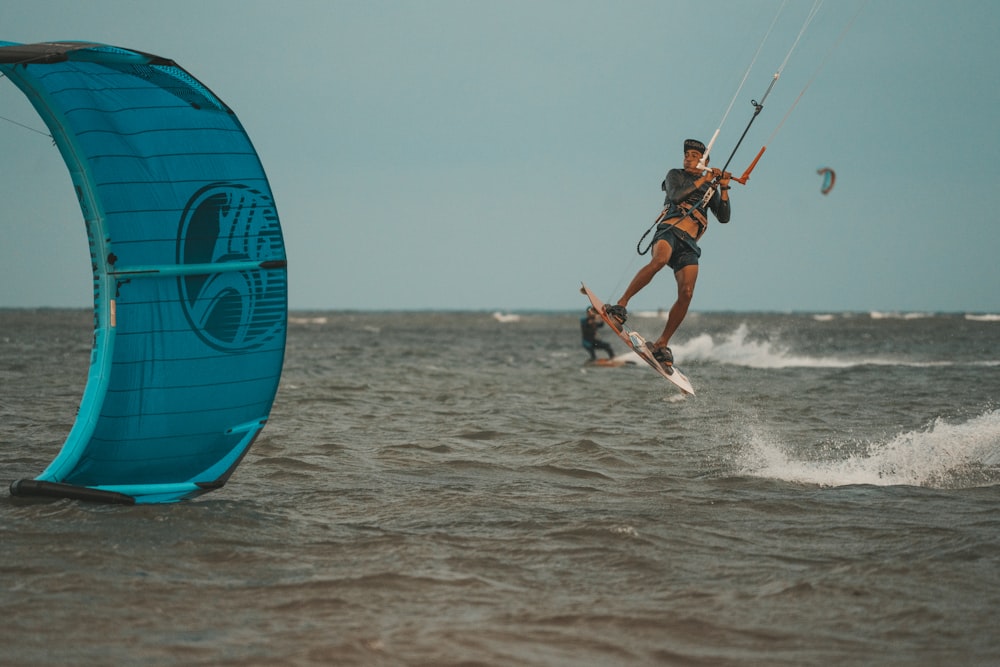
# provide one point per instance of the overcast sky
(492, 155)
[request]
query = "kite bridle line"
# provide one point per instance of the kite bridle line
(22, 125)
(746, 75)
(759, 106)
(742, 180)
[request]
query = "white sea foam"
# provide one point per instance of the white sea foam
(738, 350)
(878, 315)
(989, 317)
(630, 357)
(307, 320)
(944, 455)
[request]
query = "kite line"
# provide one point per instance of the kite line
(759, 106)
(742, 180)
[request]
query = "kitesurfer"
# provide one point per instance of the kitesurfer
(589, 324)
(681, 224)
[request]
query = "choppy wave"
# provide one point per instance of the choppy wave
(880, 315)
(426, 497)
(944, 455)
(307, 320)
(739, 348)
(893, 315)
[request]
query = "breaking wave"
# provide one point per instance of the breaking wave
(943, 455)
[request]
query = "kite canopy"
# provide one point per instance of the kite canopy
(190, 280)
(829, 178)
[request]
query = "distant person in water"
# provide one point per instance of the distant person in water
(589, 324)
(681, 224)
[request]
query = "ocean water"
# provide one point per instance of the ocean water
(460, 489)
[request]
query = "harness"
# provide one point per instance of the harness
(682, 212)
(695, 212)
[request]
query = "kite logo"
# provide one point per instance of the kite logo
(232, 310)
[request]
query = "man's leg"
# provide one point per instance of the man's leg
(661, 255)
(686, 279)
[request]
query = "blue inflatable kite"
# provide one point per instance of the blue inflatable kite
(829, 178)
(190, 281)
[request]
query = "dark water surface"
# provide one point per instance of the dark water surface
(443, 489)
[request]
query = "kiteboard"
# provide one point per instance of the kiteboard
(635, 341)
(606, 363)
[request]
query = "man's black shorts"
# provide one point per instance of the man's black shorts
(685, 250)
